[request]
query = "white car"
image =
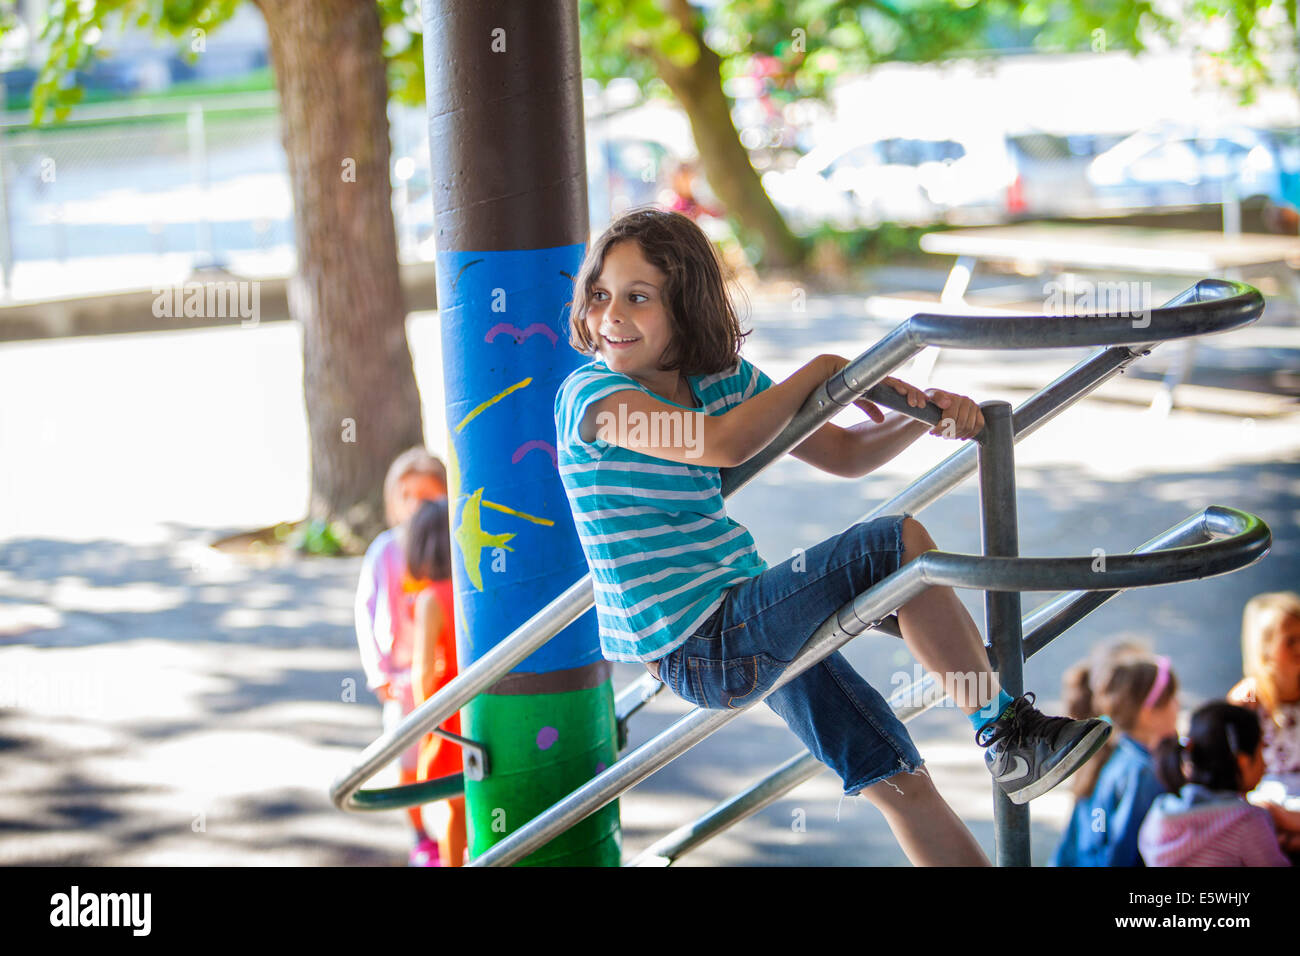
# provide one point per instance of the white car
(905, 179)
(1175, 165)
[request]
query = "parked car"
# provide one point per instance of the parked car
(624, 172)
(1052, 173)
(1285, 146)
(1177, 165)
(851, 182)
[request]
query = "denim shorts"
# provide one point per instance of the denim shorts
(763, 623)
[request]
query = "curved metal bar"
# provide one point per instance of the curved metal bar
(1220, 305)
(346, 792)
(882, 394)
(1049, 621)
(884, 596)
(428, 791)
(1211, 305)
(1035, 412)
(1236, 304)
(826, 401)
(1041, 626)
(1247, 541)
(856, 616)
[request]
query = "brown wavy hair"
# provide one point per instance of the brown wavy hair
(706, 333)
(1114, 681)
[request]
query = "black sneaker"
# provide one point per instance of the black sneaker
(1029, 753)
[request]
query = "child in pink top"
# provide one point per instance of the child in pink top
(386, 652)
(1270, 651)
(1206, 820)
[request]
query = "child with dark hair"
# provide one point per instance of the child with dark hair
(1114, 791)
(414, 476)
(1205, 820)
(680, 586)
(428, 584)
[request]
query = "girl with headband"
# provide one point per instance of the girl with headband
(1138, 694)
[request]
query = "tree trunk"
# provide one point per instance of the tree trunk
(698, 88)
(363, 407)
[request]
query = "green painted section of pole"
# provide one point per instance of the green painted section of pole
(556, 743)
(997, 469)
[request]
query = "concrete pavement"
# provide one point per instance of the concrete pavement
(161, 703)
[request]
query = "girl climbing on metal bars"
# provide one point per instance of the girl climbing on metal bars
(643, 430)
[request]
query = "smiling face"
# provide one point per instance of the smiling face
(628, 319)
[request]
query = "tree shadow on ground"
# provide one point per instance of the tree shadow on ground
(1063, 511)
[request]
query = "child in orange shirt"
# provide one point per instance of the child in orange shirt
(433, 642)
(386, 653)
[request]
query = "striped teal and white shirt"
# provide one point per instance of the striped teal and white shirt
(661, 548)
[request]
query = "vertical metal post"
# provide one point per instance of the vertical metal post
(997, 469)
(1231, 203)
(6, 250)
(196, 129)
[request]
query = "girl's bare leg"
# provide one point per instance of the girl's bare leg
(927, 829)
(452, 846)
(941, 635)
(417, 820)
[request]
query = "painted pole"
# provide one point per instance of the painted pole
(504, 93)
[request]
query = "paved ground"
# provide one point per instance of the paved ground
(165, 704)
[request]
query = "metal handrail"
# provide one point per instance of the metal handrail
(1211, 306)
(1244, 546)
(1041, 626)
(1165, 566)
(1219, 305)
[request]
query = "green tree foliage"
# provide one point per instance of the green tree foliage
(403, 49)
(820, 39)
(74, 30)
(1260, 33)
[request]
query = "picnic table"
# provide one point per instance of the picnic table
(1067, 248)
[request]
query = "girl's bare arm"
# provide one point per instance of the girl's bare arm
(862, 448)
(713, 441)
(424, 655)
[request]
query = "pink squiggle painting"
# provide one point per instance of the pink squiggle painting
(537, 328)
(528, 446)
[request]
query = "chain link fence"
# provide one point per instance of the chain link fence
(128, 197)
